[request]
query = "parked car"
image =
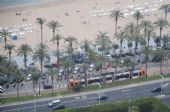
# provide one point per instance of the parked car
(109, 57)
(91, 68)
(29, 77)
(81, 70)
(56, 65)
(70, 70)
(155, 90)
(106, 66)
(61, 72)
(1, 89)
(44, 76)
(76, 70)
(56, 104)
(47, 86)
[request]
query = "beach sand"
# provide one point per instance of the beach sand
(79, 18)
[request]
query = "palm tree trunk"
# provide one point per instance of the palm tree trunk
(113, 75)
(33, 85)
(165, 13)
(146, 66)
(5, 39)
(52, 85)
(160, 34)
(115, 26)
(161, 67)
(18, 89)
(41, 34)
(41, 63)
(25, 62)
(58, 52)
(53, 35)
(121, 50)
(9, 55)
(85, 79)
(67, 77)
(103, 52)
(148, 41)
(145, 33)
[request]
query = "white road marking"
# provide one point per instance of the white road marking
(126, 90)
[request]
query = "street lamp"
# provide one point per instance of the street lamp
(59, 88)
(162, 83)
(34, 102)
(99, 91)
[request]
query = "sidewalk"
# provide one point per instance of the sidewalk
(89, 92)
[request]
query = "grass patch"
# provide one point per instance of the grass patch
(89, 88)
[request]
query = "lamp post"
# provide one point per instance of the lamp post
(34, 102)
(99, 91)
(162, 83)
(59, 89)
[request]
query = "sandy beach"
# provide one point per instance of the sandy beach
(79, 18)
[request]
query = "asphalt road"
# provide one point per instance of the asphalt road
(27, 87)
(91, 99)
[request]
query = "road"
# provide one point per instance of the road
(87, 99)
(27, 87)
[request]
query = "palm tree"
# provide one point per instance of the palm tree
(145, 25)
(85, 67)
(129, 63)
(149, 33)
(86, 44)
(160, 54)
(115, 46)
(57, 38)
(103, 40)
(19, 79)
(41, 21)
(71, 40)
(161, 24)
(41, 55)
(24, 50)
(35, 76)
(165, 8)
(165, 41)
(114, 64)
(66, 62)
(121, 36)
(157, 40)
(146, 50)
(10, 47)
(5, 34)
(52, 73)
(130, 30)
(5, 65)
(116, 15)
(137, 15)
(53, 25)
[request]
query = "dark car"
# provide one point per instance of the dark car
(154, 90)
(47, 86)
(102, 97)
